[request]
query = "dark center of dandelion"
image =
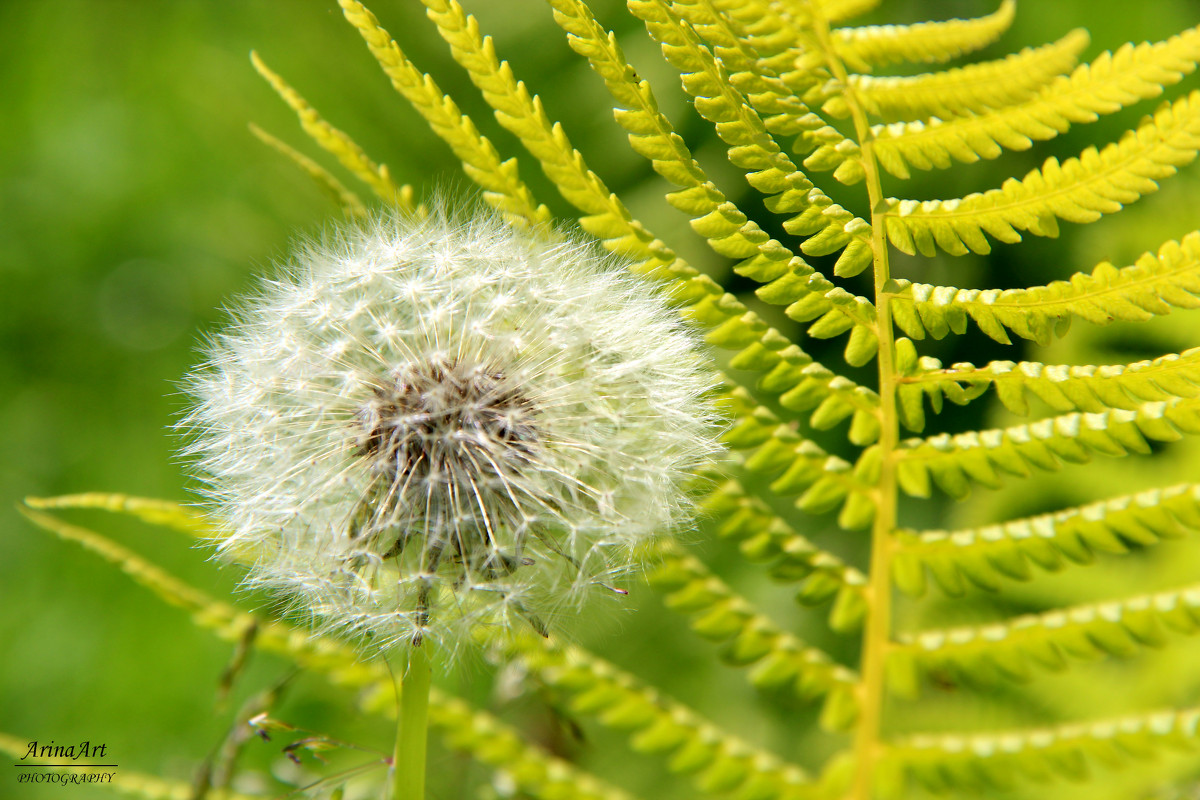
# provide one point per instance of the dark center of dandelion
(444, 439)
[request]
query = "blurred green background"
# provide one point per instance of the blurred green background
(134, 203)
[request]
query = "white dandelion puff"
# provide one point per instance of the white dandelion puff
(431, 425)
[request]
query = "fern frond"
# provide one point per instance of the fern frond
(797, 463)
(1105, 86)
(827, 226)
(720, 615)
(963, 90)
(930, 42)
(468, 730)
(1011, 650)
(345, 199)
(501, 747)
(522, 114)
(722, 765)
(1149, 287)
(955, 461)
(782, 35)
(1078, 190)
(337, 143)
(762, 26)
(804, 385)
(842, 10)
(767, 538)
(149, 510)
(777, 100)
(725, 227)
(977, 761)
(987, 555)
(1064, 388)
(125, 782)
(920, 377)
(499, 180)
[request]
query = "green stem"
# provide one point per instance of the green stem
(412, 727)
(877, 629)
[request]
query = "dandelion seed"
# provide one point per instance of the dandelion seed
(433, 425)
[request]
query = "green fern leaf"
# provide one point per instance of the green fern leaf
(1062, 387)
(720, 615)
(725, 226)
(982, 457)
(499, 180)
(768, 538)
(331, 186)
(797, 463)
(1064, 751)
(862, 48)
(829, 228)
(1157, 281)
(972, 89)
(1106, 85)
(985, 556)
(337, 143)
(149, 510)
(1077, 190)
(1015, 648)
(721, 764)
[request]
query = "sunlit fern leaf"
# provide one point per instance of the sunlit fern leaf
(1104, 86)
(862, 48)
(795, 464)
(1064, 752)
(1149, 287)
(988, 555)
(1061, 387)
(725, 227)
(1077, 190)
(721, 615)
(962, 90)
(1015, 648)
(721, 764)
(983, 457)
(829, 227)
(347, 200)
(338, 143)
(768, 538)
(149, 510)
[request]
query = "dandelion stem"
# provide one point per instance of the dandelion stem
(408, 761)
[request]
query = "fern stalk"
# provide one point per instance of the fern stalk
(868, 737)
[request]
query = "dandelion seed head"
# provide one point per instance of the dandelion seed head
(428, 426)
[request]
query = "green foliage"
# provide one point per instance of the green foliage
(785, 86)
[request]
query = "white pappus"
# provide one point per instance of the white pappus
(428, 425)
